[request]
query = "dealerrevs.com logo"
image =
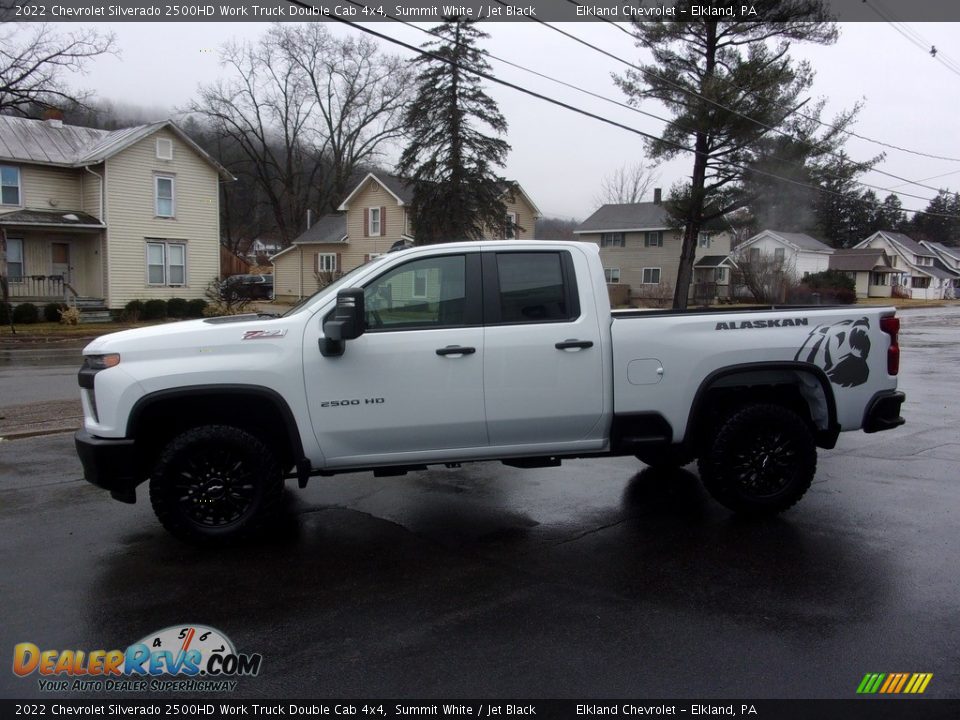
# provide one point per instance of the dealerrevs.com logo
(180, 658)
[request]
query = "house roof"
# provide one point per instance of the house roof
(939, 264)
(51, 218)
(862, 260)
(402, 189)
(46, 142)
(938, 272)
(800, 241)
(940, 248)
(904, 241)
(708, 261)
(626, 217)
(329, 229)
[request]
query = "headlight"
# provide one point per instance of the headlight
(101, 362)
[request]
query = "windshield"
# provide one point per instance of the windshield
(332, 287)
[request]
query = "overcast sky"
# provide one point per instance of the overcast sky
(560, 158)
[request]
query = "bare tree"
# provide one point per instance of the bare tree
(307, 110)
(767, 277)
(627, 184)
(34, 58)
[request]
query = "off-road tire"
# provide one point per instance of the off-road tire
(215, 484)
(761, 461)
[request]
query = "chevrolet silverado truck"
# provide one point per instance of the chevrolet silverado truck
(464, 352)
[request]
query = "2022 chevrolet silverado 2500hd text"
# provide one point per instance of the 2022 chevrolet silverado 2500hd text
(464, 352)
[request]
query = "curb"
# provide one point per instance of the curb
(23, 434)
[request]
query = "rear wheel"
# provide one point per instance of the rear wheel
(215, 483)
(761, 461)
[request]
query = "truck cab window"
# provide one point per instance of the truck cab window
(427, 293)
(532, 288)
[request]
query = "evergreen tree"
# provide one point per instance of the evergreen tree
(845, 214)
(890, 215)
(942, 223)
(453, 151)
(726, 83)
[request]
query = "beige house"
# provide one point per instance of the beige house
(869, 268)
(373, 218)
(639, 248)
(99, 218)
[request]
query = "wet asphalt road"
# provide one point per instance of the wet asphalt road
(596, 579)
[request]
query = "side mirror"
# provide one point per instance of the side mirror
(347, 322)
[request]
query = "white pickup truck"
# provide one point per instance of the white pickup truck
(464, 352)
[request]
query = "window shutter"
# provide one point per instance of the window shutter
(366, 222)
(516, 228)
(366, 258)
(316, 262)
(383, 221)
(338, 266)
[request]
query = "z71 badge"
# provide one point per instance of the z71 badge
(262, 334)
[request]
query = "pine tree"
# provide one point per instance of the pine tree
(454, 152)
(725, 83)
(942, 223)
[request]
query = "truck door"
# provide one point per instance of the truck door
(413, 381)
(543, 364)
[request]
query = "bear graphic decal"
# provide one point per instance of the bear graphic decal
(841, 350)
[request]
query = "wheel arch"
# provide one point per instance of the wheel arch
(781, 374)
(159, 416)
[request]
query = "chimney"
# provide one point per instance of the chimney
(53, 117)
(657, 196)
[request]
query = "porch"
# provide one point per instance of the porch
(53, 256)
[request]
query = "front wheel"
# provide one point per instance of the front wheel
(761, 461)
(215, 483)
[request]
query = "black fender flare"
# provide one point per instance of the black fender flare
(255, 392)
(825, 438)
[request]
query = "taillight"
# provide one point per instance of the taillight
(891, 326)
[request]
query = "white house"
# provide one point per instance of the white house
(798, 254)
(918, 275)
(948, 258)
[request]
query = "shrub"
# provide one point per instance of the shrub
(132, 311)
(177, 308)
(4, 313)
(196, 308)
(830, 280)
(70, 316)
(51, 311)
(899, 291)
(26, 314)
(804, 295)
(154, 310)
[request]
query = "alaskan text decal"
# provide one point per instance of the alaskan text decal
(841, 350)
(752, 324)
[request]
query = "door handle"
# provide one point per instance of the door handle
(456, 350)
(574, 344)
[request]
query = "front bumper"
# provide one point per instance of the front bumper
(109, 463)
(883, 412)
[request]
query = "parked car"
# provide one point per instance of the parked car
(250, 287)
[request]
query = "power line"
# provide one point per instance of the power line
(586, 113)
(817, 120)
(915, 38)
(657, 117)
